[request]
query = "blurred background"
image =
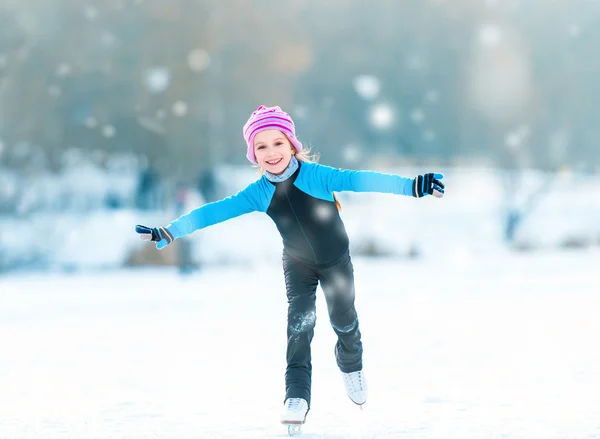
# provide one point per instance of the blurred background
(119, 112)
(478, 310)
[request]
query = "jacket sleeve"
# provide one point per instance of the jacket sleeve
(339, 180)
(209, 214)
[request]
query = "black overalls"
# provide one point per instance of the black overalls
(316, 249)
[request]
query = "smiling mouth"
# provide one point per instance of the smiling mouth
(274, 162)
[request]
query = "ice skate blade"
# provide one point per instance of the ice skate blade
(294, 430)
(360, 405)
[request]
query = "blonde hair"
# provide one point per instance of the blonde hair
(309, 156)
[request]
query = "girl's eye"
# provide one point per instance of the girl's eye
(279, 144)
(260, 147)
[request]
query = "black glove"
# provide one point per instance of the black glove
(428, 184)
(160, 235)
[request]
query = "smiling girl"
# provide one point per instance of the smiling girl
(298, 195)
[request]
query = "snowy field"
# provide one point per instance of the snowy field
(503, 347)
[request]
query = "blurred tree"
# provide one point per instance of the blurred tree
(99, 74)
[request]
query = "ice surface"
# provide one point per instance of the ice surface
(502, 347)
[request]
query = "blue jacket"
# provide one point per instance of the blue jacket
(302, 207)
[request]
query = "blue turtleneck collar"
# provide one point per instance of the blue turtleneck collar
(285, 174)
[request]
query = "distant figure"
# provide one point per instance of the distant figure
(298, 195)
(146, 194)
(207, 184)
(513, 219)
(184, 253)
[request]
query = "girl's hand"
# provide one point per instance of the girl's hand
(428, 184)
(160, 235)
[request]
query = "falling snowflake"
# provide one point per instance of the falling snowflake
(515, 138)
(415, 62)
(429, 135)
(63, 70)
(417, 116)
(301, 111)
(367, 86)
(180, 108)
(91, 122)
(54, 91)
(431, 96)
(198, 60)
(284, 221)
(490, 35)
(108, 131)
(91, 13)
(323, 213)
(9, 189)
(352, 154)
(382, 116)
(151, 125)
(340, 283)
(157, 79)
(108, 39)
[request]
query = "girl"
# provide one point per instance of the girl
(298, 195)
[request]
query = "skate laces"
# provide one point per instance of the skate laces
(355, 381)
(296, 404)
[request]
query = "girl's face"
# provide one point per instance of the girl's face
(273, 151)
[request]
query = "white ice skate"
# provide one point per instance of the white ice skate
(294, 414)
(356, 386)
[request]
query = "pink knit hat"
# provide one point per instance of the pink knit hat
(269, 118)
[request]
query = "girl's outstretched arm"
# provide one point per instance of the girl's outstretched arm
(338, 180)
(245, 201)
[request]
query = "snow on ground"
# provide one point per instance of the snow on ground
(502, 347)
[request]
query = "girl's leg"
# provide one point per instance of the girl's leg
(338, 285)
(301, 285)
